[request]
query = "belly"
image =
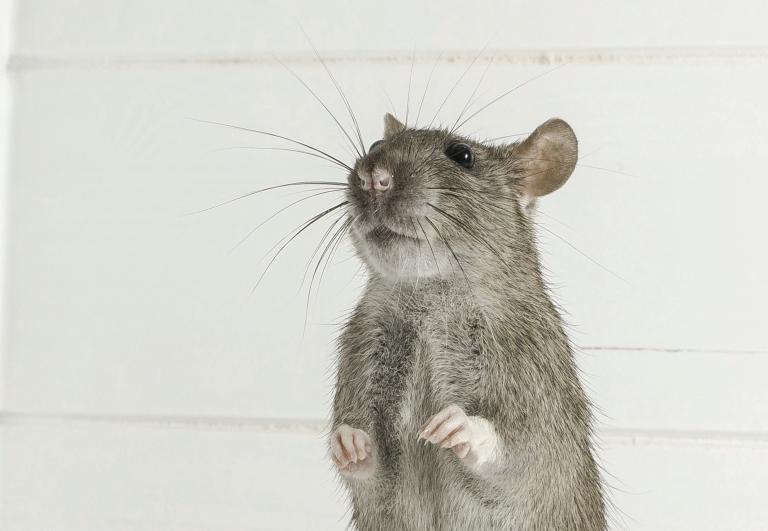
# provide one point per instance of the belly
(421, 486)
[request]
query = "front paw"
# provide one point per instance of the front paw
(472, 439)
(353, 452)
(449, 428)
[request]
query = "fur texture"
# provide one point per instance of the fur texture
(456, 318)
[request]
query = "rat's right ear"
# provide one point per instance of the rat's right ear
(392, 126)
(545, 160)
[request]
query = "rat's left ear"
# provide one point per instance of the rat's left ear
(545, 160)
(392, 126)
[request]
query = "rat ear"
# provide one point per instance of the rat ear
(545, 159)
(392, 126)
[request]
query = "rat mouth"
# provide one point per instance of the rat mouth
(381, 234)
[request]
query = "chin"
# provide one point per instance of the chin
(393, 255)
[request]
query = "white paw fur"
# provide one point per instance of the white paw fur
(472, 439)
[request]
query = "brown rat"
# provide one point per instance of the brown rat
(458, 404)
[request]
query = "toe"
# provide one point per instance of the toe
(359, 445)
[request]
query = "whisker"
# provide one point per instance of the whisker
(335, 239)
(471, 233)
(469, 100)
(290, 232)
(275, 135)
(582, 253)
(455, 85)
(273, 216)
(539, 225)
(561, 163)
(339, 90)
(306, 225)
(317, 249)
(389, 100)
(439, 235)
(513, 135)
(268, 188)
(507, 93)
(448, 246)
(291, 150)
(332, 247)
(474, 192)
(609, 170)
(426, 88)
(321, 102)
(432, 250)
(410, 82)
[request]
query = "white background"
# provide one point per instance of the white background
(145, 388)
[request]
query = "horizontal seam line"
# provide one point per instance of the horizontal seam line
(319, 426)
(671, 350)
(21, 61)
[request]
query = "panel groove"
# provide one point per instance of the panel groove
(704, 55)
(614, 436)
(673, 350)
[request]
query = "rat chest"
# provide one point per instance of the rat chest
(417, 367)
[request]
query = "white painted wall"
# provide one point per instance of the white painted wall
(145, 388)
(5, 119)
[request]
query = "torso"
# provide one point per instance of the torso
(427, 354)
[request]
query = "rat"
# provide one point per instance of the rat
(457, 402)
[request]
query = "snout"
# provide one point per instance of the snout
(376, 182)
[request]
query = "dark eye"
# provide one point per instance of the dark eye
(373, 146)
(460, 154)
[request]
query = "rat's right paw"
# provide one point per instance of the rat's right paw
(353, 452)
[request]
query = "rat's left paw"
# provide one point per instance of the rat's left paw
(472, 439)
(450, 428)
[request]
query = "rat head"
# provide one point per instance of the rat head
(430, 203)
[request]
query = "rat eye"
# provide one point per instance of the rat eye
(460, 154)
(373, 146)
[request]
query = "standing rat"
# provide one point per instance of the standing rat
(457, 402)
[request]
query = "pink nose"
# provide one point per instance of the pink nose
(380, 181)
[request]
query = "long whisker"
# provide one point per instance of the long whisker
(609, 170)
(562, 163)
(332, 245)
(290, 150)
(448, 246)
(273, 216)
(311, 219)
(317, 249)
(317, 266)
(330, 250)
(471, 96)
(455, 85)
(439, 235)
(507, 93)
(426, 88)
(513, 135)
(539, 225)
(582, 253)
(451, 192)
(416, 236)
(321, 102)
(275, 135)
(410, 82)
(389, 100)
(304, 227)
(431, 249)
(339, 90)
(268, 188)
(471, 233)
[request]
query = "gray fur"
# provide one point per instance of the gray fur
(477, 329)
